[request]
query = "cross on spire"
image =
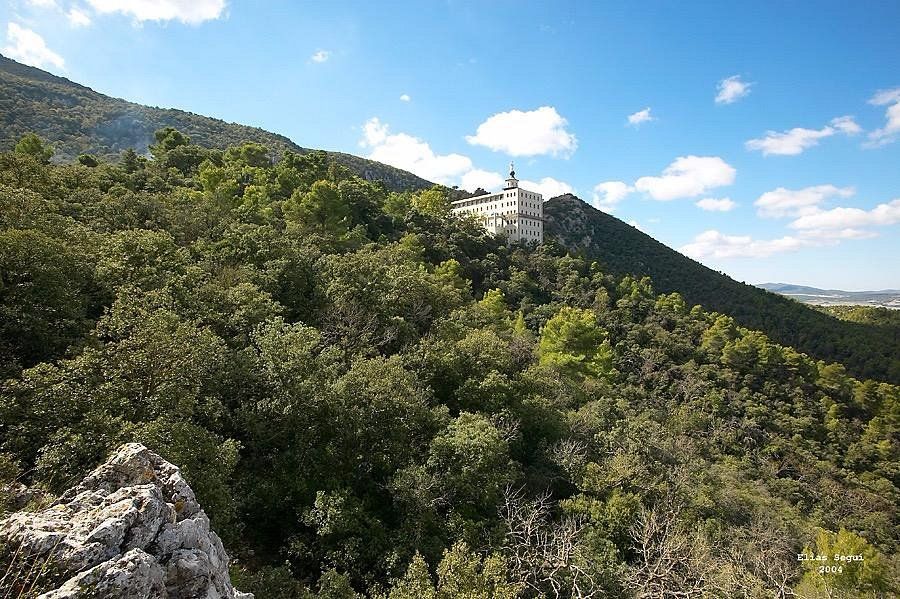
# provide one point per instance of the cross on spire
(511, 181)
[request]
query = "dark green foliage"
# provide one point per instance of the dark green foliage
(271, 582)
(88, 160)
(42, 306)
(373, 397)
(322, 208)
(867, 351)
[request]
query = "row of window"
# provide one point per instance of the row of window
(479, 209)
(491, 203)
(478, 201)
(525, 232)
(523, 195)
(494, 207)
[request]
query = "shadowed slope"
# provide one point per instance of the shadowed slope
(867, 351)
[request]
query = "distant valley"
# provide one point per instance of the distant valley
(887, 298)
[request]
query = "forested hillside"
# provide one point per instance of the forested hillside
(373, 397)
(82, 121)
(864, 349)
(881, 317)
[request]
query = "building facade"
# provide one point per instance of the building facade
(515, 212)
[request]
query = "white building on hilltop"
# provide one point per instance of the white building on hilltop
(517, 212)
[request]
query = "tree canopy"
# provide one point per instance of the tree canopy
(373, 397)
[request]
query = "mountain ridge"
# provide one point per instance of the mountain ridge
(887, 298)
(80, 120)
(798, 288)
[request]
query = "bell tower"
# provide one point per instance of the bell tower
(511, 181)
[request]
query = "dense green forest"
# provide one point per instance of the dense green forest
(866, 350)
(82, 121)
(373, 397)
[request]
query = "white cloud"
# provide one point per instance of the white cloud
(609, 193)
(547, 187)
(885, 96)
(731, 89)
(850, 218)
(75, 15)
(412, 154)
(834, 236)
(891, 130)
(78, 18)
(486, 180)
(191, 12)
(405, 98)
(795, 141)
(713, 244)
(526, 133)
(374, 133)
(814, 228)
(29, 48)
(716, 205)
(846, 125)
(782, 202)
(790, 142)
(687, 176)
(320, 56)
(641, 116)
(415, 155)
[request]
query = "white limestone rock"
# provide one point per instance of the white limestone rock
(132, 574)
(131, 529)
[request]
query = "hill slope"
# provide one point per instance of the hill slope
(78, 120)
(866, 350)
(357, 404)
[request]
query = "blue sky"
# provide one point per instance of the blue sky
(798, 161)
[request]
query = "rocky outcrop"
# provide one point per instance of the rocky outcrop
(131, 529)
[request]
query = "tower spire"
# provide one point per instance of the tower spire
(511, 181)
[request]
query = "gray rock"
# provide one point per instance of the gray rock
(132, 574)
(131, 529)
